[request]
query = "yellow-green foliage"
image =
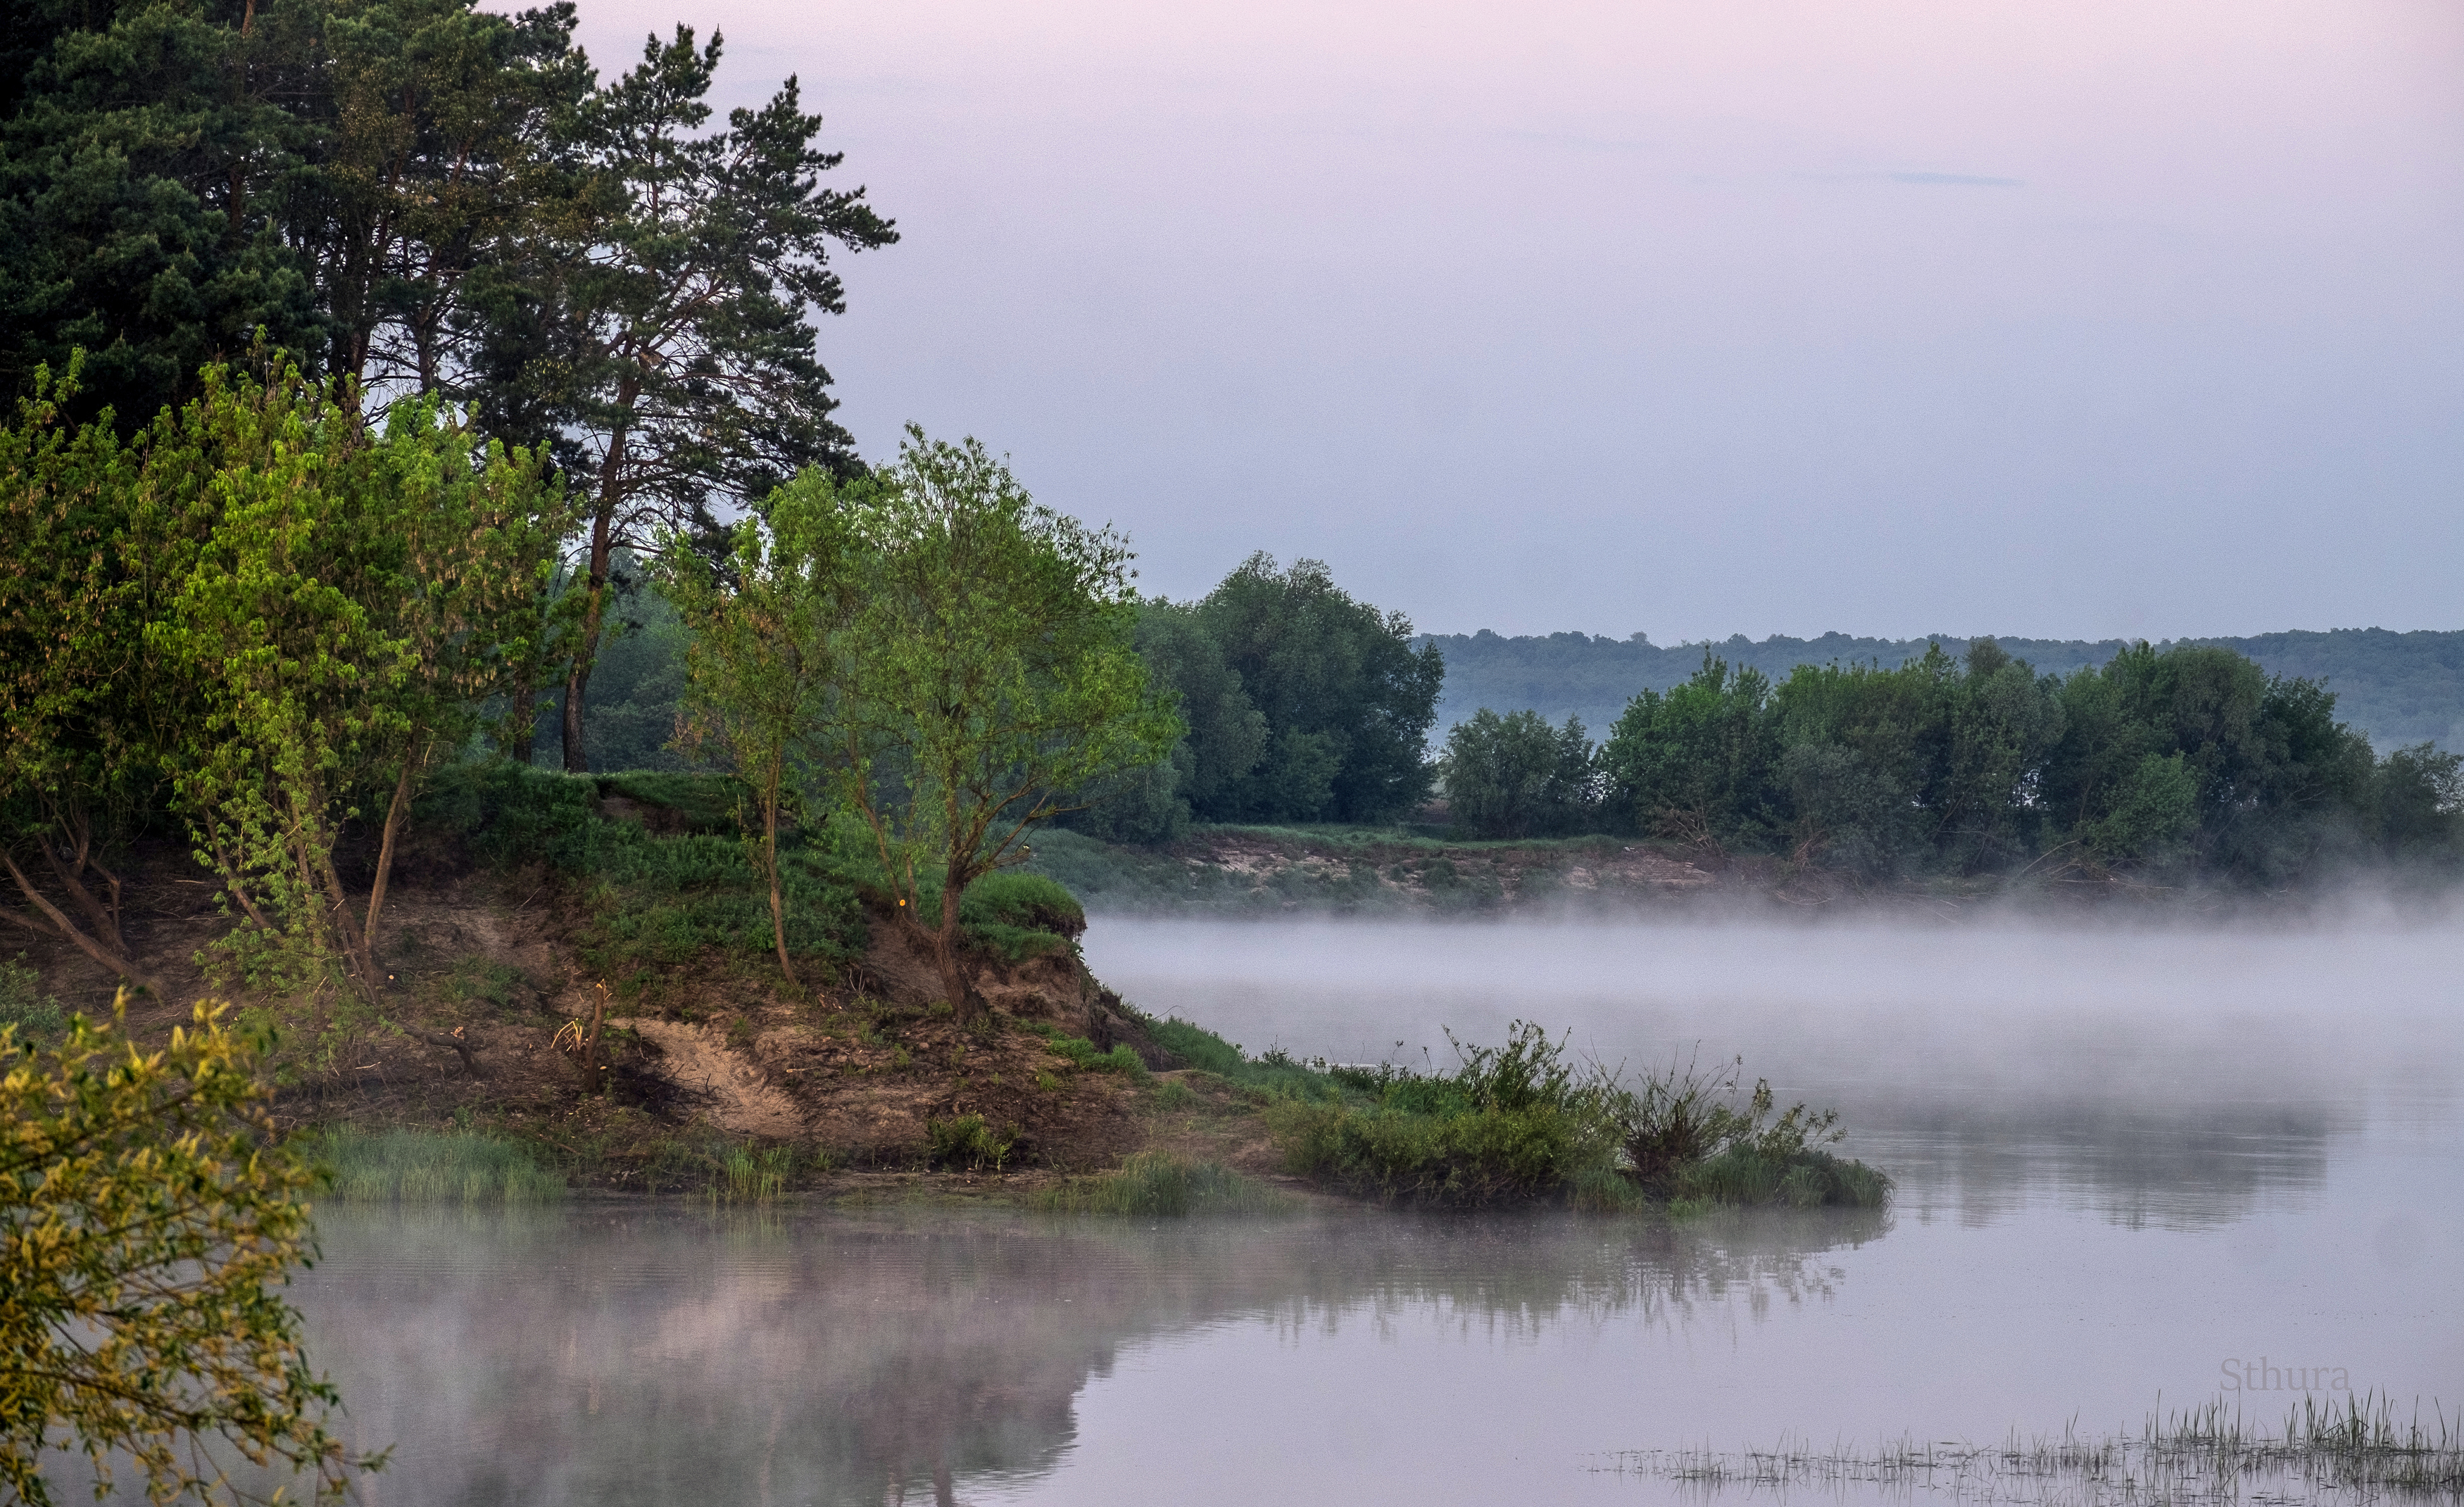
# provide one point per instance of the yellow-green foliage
(149, 1223)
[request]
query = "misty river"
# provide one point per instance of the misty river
(2138, 1168)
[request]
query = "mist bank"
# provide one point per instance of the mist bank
(1991, 1022)
(1425, 871)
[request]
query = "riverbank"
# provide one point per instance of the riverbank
(1422, 871)
(580, 968)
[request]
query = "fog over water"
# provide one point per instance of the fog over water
(1903, 1021)
(2132, 1164)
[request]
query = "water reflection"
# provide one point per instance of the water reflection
(630, 1356)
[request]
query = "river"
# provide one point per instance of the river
(2137, 1169)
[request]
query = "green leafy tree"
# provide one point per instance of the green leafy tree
(147, 1223)
(1347, 702)
(73, 683)
(1515, 776)
(1701, 762)
(333, 606)
(763, 668)
(990, 678)
(678, 363)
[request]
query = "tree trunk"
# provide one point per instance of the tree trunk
(104, 919)
(956, 983)
(395, 813)
(770, 868)
(522, 727)
(68, 932)
(585, 653)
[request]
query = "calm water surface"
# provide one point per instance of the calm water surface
(2124, 1161)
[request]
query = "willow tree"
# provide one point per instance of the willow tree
(333, 606)
(760, 667)
(989, 674)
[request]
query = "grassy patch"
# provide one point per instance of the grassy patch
(430, 1167)
(1523, 1122)
(1083, 1053)
(24, 1005)
(967, 1141)
(1157, 1183)
(651, 899)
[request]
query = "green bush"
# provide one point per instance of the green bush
(1158, 1183)
(1017, 898)
(1468, 1159)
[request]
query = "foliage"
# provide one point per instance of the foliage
(150, 1223)
(1697, 763)
(679, 281)
(352, 181)
(24, 1005)
(760, 667)
(363, 1166)
(967, 1140)
(649, 899)
(1086, 1056)
(1517, 777)
(1157, 1183)
(990, 678)
(1347, 704)
(2398, 687)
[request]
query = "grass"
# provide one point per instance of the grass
(466, 1167)
(2205, 1457)
(24, 1005)
(1158, 1183)
(1523, 1122)
(967, 1141)
(1083, 1053)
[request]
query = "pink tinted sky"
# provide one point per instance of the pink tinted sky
(1897, 317)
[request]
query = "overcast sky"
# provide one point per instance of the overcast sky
(2107, 318)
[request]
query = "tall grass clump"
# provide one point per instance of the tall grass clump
(1158, 1183)
(2354, 1450)
(429, 1167)
(23, 1004)
(1524, 1121)
(1683, 1136)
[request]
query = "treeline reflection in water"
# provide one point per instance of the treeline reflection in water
(629, 1355)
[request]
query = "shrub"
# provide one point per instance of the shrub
(967, 1141)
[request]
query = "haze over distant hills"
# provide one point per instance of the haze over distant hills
(2398, 687)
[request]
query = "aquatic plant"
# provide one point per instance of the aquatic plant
(2357, 1450)
(430, 1167)
(1162, 1183)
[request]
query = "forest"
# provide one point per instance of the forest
(2186, 759)
(2397, 687)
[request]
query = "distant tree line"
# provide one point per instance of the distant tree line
(2185, 757)
(2398, 687)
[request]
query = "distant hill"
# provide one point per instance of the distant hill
(2398, 687)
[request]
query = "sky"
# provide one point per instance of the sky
(2117, 317)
